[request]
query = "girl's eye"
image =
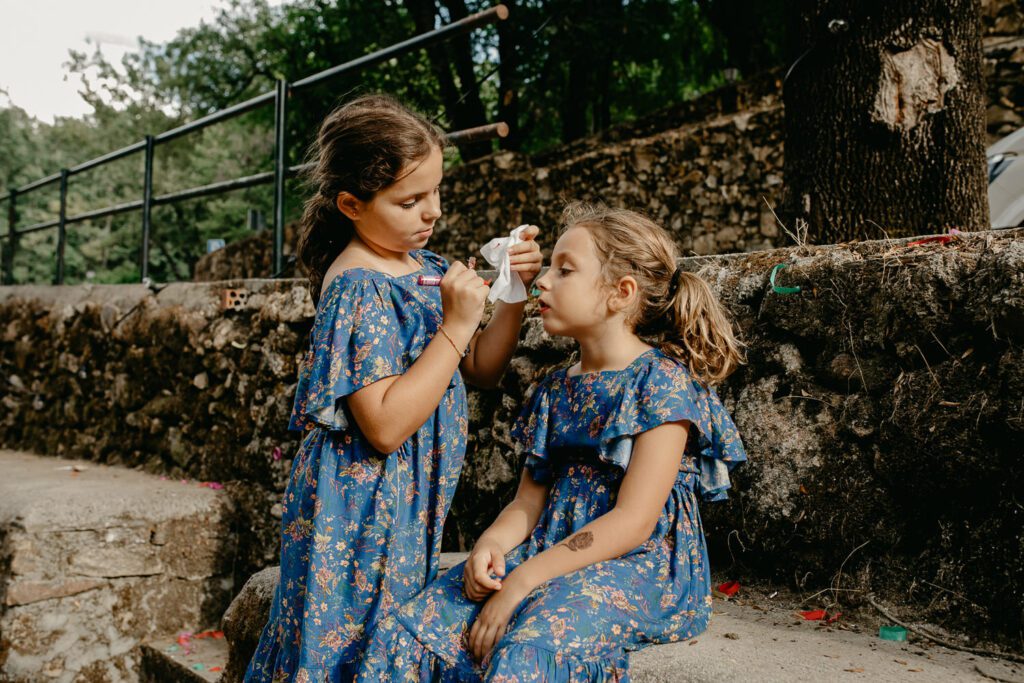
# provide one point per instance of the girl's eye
(564, 271)
(408, 205)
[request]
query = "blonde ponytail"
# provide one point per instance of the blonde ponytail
(698, 331)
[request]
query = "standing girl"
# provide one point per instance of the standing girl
(601, 552)
(381, 392)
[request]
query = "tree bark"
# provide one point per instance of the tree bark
(885, 119)
(464, 112)
(508, 77)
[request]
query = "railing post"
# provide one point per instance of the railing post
(147, 205)
(62, 233)
(12, 237)
(280, 168)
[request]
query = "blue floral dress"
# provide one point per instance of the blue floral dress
(577, 435)
(361, 530)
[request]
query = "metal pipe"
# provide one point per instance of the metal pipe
(12, 237)
(62, 233)
(110, 156)
(89, 215)
(215, 117)
(497, 13)
(147, 206)
(214, 188)
(36, 227)
(280, 168)
(39, 183)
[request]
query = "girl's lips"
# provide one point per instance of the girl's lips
(544, 309)
(425, 233)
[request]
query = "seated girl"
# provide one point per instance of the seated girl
(601, 552)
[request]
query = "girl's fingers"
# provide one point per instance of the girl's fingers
(471, 640)
(476, 636)
(529, 257)
(483, 641)
(489, 641)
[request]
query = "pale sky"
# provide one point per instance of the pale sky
(36, 35)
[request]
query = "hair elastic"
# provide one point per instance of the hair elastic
(673, 285)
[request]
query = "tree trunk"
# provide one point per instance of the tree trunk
(885, 119)
(463, 112)
(508, 77)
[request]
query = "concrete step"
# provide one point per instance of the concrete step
(184, 660)
(94, 560)
(752, 639)
(759, 641)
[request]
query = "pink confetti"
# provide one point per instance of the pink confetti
(276, 455)
(211, 485)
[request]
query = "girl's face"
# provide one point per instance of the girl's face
(574, 296)
(401, 217)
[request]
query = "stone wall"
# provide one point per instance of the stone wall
(881, 407)
(1004, 65)
(706, 178)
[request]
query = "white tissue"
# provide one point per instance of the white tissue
(508, 286)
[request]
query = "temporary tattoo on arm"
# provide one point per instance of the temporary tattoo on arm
(580, 541)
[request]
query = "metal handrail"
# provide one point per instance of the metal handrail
(279, 96)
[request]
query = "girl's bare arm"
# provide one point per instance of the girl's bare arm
(645, 488)
(515, 522)
(491, 349)
(392, 409)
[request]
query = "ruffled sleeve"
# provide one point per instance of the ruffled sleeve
(356, 340)
(664, 391)
(530, 432)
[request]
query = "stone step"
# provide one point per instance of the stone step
(762, 642)
(96, 560)
(167, 660)
(747, 640)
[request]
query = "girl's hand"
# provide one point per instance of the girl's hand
(525, 257)
(463, 295)
(485, 559)
(493, 619)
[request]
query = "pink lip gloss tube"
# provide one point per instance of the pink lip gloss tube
(435, 281)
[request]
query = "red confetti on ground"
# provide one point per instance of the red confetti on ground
(184, 640)
(938, 239)
(729, 588)
(209, 634)
(214, 668)
(211, 485)
(820, 615)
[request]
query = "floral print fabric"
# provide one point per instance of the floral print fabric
(576, 434)
(361, 530)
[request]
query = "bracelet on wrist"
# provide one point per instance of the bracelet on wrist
(452, 342)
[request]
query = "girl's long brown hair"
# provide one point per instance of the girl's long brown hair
(361, 148)
(689, 324)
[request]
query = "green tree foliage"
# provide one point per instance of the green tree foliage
(556, 71)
